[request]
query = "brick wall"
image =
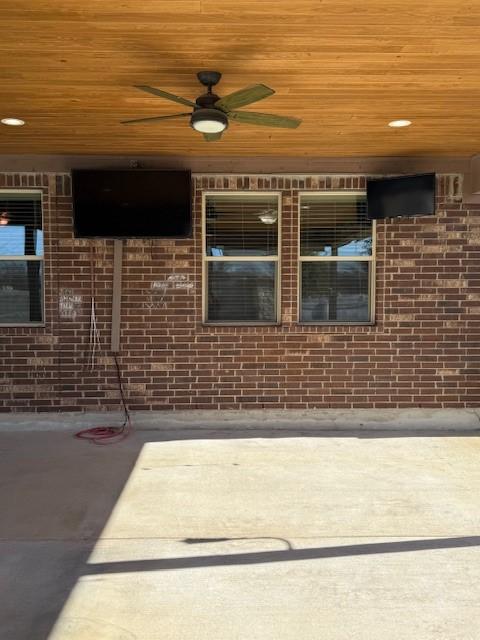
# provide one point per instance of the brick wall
(423, 351)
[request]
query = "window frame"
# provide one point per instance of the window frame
(371, 259)
(206, 259)
(24, 258)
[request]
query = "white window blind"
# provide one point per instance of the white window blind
(241, 258)
(21, 258)
(336, 259)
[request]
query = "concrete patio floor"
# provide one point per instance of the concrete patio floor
(247, 535)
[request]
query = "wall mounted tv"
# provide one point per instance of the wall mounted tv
(401, 196)
(131, 204)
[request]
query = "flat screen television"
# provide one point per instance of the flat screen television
(401, 196)
(131, 204)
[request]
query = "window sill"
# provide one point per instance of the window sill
(24, 325)
(241, 324)
(336, 324)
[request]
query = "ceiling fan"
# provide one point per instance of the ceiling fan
(211, 114)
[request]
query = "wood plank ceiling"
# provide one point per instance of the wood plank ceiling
(346, 68)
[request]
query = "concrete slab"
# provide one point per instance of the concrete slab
(186, 533)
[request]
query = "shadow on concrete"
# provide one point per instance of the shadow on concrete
(288, 555)
(56, 495)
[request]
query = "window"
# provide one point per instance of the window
(241, 270)
(337, 251)
(21, 258)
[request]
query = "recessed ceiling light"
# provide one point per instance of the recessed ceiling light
(12, 122)
(399, 123)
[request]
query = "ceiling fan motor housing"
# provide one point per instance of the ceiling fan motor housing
(207, 100)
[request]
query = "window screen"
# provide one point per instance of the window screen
(21, 258)
(241, 258)
(336, 258)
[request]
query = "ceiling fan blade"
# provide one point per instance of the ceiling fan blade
(155, 118)
(211, 137)
(165, 94)
(243, 97)
(264, 119)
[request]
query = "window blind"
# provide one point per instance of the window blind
(335, 225)
(236, 227)
(241, 255)
(21, 258)
(336, 258)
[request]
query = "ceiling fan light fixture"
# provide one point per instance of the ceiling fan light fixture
(209, 121)
(268, 217)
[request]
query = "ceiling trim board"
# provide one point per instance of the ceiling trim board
(241, 165)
